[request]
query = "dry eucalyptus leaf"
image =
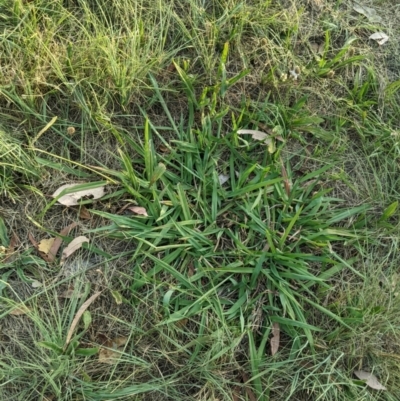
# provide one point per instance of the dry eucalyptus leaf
(73, 246)
(78, 315)
(276, 334)
(258, 135)
(368, 12)
(45, 245)
(73, 198)
(138, 210)
(370, 379)
(379, 37)
(58, 241)
(223, 179)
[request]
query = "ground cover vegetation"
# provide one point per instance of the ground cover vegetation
(199, 200)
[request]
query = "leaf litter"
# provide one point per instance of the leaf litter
(73, 246)
(73, 198)
(138, 210)
(111, 350)
(368, 12)
(78, 315)
(45, 245)
(380, 37)
(276, 334)
(370, 379)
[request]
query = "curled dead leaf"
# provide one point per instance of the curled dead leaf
(78, 315)
(380, 37)
(73, 246)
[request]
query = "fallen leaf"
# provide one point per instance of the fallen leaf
(249, 391)
(260, 136)
(112, 353)
(45, 245)
(223, 179)
(380, 37)
(73, 246)
(285, 179)
(70, 293)
(370, 379)
(33, 241)
(58, 241)
(109, 356)
(84, 213)
(10, 251)
(120, 341)
(138, 210)
(276, 334)
(36, 284)
(19, 310)
(317, 48)
(368, 12)
(73, 198)
(78, 315)
(117, 297)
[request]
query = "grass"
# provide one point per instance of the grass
(239, 236)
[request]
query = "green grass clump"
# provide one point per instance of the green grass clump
(234, 236)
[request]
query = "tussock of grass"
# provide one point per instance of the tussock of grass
(149, 97)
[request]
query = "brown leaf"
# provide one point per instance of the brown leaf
(9, 253)
(109, 356)
(45, 245)
(138, 210)
(236, 393)
(73, 198)
(58, 241)
(276, 334)
(285, 180)
(33, 241)
(370, 379)
(78, 315)
(84, 213)
(249, 391)
(120, 341)
(112, 353)
(73, 246)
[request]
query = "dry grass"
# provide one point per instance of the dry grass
(89, 64)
